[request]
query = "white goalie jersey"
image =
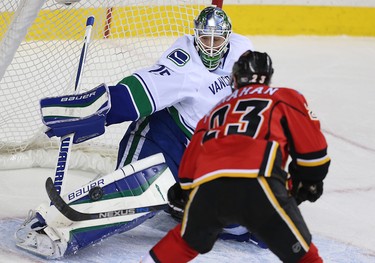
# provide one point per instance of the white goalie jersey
(180, 80)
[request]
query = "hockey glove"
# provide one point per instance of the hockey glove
(177, 199)
(83, 114)
(305, 190)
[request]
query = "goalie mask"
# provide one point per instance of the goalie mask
(212, 29)
(252, 68)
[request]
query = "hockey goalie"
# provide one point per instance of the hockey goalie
(111, 204)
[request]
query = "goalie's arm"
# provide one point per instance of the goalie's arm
(134, 97)
(148, 90)
(130, 101)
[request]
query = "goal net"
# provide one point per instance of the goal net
(40, 45)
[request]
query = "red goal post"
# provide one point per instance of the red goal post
(40, 43)
(218, 3)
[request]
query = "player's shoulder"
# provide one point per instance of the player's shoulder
(181, 55)
(238, 44)
(290, 96)
(238, 40)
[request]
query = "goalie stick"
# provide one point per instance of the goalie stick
(67, 140)
(75, 215)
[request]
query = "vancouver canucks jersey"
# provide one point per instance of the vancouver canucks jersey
(180, 82)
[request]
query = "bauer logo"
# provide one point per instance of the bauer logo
(78, 97)
(83, 191)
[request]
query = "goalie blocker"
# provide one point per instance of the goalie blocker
(111, 204)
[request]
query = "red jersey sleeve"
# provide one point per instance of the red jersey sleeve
(307, 144)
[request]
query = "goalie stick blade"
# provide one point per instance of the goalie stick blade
(62, 206)
(75, 215)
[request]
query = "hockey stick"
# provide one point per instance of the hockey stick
(67, 140)
(75, 215)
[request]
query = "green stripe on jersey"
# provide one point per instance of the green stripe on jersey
(176, 117)
(140, 95)
(135, 142)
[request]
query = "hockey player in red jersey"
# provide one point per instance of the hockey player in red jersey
(234, 169)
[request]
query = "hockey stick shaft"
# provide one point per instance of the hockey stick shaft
(75, 215)
(82, 59)
(67, 140)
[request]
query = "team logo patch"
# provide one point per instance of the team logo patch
(311, 113)
(296, 247)
(179, 57)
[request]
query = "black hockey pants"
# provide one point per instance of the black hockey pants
(261, 204)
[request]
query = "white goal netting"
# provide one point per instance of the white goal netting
(40, 45)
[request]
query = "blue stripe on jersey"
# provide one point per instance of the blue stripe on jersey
(123, 107)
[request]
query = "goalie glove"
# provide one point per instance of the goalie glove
(305, 190)
(82, 114)
(177, 199)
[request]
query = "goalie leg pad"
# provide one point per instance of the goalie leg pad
(82, 237)
(131, 181)
(138, 185)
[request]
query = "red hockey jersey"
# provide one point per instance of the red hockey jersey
(252, 133)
